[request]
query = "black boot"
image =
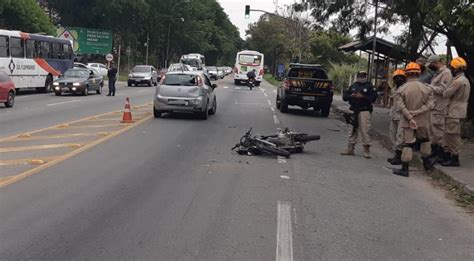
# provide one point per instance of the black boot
(453, 161)
(403, 171)
(428, 163)
(434, 151)
(443, 156)
(397, 158)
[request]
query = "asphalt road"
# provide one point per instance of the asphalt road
(170, 189)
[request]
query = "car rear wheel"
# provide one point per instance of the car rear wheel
(205, 114)
(283, 106)
(99, 91)
(48, 85)
(278, 102)
(325, 110)
(10, 100)
(157, 113)
(214, 107)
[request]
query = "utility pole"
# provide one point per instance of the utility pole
(372, 71)
(147, 43)
(118, 59)
(168, 44)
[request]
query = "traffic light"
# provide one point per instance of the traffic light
(247, 11)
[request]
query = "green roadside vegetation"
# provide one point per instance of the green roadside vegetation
(271, 79)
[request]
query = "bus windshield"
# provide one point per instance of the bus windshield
(250, 59)
(193, 62)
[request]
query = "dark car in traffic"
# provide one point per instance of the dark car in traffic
(306, 86)
(79, 81)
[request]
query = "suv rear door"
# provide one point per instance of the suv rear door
(308, 80)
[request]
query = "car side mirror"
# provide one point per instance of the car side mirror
(214, 86)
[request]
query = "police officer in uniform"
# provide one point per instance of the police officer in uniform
(458, 95)
(361, 95)
(415, 102)
(440, 82)
(399, 78)
(426, 74)
(112, 74)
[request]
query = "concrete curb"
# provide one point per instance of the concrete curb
(437, 173)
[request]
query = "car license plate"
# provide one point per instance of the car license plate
(178, 102)
(309, 98)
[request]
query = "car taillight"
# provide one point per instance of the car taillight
(332, 87)
(261, 72)
(199, 82)
(286, 84)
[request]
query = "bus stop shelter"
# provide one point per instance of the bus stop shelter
(387, 56)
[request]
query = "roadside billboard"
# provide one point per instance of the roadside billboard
(87, 40)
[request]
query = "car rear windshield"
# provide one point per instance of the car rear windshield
(180, 80)
(316, 73)
(141, 69)
(76, 74)
(212, 68)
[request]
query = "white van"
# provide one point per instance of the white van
(246, 61)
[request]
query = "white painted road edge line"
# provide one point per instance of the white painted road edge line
(272, 108)
(275, 119)
(59, 103)
(269, 102)
(284, 249)
(265, 94)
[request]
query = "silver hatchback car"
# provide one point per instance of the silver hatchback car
(188, 91)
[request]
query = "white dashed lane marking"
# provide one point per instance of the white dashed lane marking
(275, 119)
(284, 248)
(64, 102)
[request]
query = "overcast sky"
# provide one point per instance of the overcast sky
(235, 9)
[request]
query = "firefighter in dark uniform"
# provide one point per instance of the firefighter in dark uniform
(361, 95)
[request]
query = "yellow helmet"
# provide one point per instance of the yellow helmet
(458, 63)
(399, 72)
(413, 68)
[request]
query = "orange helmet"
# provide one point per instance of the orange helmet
(399, 72)
(413, 68)
(458, 63)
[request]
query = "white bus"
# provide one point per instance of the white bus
(246, 61)
(195, 60)
(32, 60)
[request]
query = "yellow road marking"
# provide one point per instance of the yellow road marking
(40, 147)
(96, 126)
(34, 161)
(58, 136)
(12, 179)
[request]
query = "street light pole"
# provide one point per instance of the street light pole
(147, 44)
(372, 69)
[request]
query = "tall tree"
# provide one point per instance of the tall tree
(25, 15)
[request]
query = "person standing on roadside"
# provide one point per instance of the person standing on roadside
(361, 95)
(440, 82)
(399, 78)
(415, 102)
(426, 74)
(112, 74)
(458, 95)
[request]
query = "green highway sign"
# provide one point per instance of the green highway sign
(87, 40)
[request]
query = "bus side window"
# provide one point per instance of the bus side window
(17, 47)
(56, 51)
(4, 46)
(44, 50)
(67, 54)
(30, 49)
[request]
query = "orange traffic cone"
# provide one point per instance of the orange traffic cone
(127, 113)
